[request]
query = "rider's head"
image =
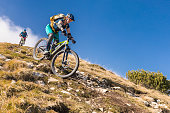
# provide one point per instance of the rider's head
(24, 30)
(69, 18)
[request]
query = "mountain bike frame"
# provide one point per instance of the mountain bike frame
(22, 41)
(58, 47)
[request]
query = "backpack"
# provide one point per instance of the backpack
(56, 17)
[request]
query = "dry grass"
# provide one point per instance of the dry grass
(25, 95)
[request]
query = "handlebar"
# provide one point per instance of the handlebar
(73, 41)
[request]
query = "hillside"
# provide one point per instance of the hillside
(27, 85)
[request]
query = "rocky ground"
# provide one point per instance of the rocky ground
(29, 86)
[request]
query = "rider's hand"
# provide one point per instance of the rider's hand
(64, 32)
(69, 36)
(73, 41)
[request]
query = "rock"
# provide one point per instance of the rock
(69, 89)
(149, 99)
(13, 82)
(7, 60)
(1, 67)
(158, 101)
(38, 74)
(85, 78)
(40, 82)
(82, 73)
(77, 72)
(88, 102)
(116, 88)
(43, 67)
(101, 109)
(1, 64)
(101, 90)
(52, 80)
(130, 94)
(77, 90)
(30, 65)
(146, 103)
(2, 57)
(154, 105)
(94, 112)
(66, 92)
(163, 106)
(128, 104)
(52, 88)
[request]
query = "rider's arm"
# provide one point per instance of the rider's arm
(68, 28)
(60, 25)
(20, 34)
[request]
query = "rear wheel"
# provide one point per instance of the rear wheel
(39, 48)
(21, 42)
(68, 66)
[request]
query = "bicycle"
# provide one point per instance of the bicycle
(22, 42)
(65, 61)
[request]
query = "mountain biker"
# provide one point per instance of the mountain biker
(58, 23)
(23, 35)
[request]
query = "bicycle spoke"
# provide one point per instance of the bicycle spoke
(64, 67)
(39, 49)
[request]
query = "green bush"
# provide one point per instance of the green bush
(148, 79)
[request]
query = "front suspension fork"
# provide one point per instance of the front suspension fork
(64, 61)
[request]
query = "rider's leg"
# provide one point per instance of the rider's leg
(50, 38)
(56, 37)
(24, 39)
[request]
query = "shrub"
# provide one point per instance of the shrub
(148, 79)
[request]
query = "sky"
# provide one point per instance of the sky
(119, 35)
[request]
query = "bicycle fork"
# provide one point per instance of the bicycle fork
(65, 56)
(64, 61)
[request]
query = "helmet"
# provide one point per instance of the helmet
(24, 29)
(70, 16)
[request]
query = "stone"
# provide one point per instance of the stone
(149, 99)
(40, 82)
(52, 80)
(158, 101)
(30, 65)
(101, 90)
(77, 72)
(88, 102)
(101, 109)
(69, 89)
(38, 74)
(13, 82)
(128, 104)
(7, 60)
(52, 88)
(154, 105)
(1, 67)
(82, 73)
(163, 105)
(66, 92)
(2, 57)
(77, 90)
(146, 103)
(116, 88)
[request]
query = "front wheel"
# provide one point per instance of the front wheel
(39, 48)
(65, 64)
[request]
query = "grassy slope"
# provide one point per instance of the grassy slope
(27, 96)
